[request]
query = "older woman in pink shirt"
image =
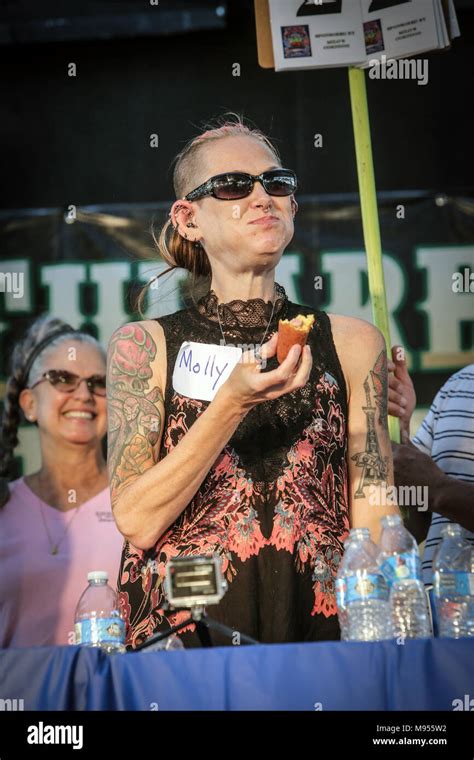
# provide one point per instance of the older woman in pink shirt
(56, 524)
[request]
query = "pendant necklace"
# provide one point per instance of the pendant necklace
(54, 546)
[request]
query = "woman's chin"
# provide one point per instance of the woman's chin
(79, 438)
(269, 241)
(269, 244)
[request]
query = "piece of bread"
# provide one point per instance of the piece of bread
(291, 331)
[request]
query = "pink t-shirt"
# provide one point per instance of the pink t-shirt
(39, 591)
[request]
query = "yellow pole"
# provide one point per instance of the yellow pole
(370, 218)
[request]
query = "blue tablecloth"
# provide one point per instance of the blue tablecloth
(418, 675)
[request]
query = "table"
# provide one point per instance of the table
(418, 675)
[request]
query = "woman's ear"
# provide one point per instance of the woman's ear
(26, 403)
(181, 216)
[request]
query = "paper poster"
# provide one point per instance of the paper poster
(323, 33)
(400, 28)
(308, 34)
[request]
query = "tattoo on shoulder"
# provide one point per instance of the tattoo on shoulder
(379, 379)
(373, 465)
(134, 421)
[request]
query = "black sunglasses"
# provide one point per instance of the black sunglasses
(234, 185)
(66, 382)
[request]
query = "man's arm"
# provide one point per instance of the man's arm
(414, 467)
(448, 496)
(371, 483)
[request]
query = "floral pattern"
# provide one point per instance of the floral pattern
(301, 513)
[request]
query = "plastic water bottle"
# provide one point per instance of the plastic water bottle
(98, 621)
(171, 643)
(362, 591)
(399, 560)
(453, 581)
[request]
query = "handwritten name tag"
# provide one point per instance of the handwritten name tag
(201, 368)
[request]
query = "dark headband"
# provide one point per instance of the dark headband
(42, 345)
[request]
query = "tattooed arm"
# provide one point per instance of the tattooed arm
(363, 357)
(134, 412)
(148, 495)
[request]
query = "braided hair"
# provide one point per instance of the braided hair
(39, 331)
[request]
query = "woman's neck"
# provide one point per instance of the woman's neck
(244, 287)
(67, 480)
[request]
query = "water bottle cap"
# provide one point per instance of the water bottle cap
(98, 575)
(359, 533)
(390, 520)
(453, 529)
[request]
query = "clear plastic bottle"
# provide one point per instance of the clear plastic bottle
(98, 621)
(399, 560)
(169, 644)
(362, 591)
(453, 581)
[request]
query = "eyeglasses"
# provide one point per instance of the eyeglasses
(67, 382)
(234, 185)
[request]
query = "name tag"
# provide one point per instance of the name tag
(201, 368)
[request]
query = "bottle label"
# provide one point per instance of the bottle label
(402, 567)
(453, 582)
(341, 593)
(100, 631)
(357, 588)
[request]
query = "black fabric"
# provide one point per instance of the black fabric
(274, 505)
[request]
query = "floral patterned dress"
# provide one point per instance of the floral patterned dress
(274, 505)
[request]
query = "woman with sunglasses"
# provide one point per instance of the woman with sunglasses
(265, 465)
(56, 524)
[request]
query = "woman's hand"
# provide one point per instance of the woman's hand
(401, 391)
(247, 386)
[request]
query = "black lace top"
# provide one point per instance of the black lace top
(274, 505)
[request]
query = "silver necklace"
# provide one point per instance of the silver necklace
(54, 546)
(266, 329)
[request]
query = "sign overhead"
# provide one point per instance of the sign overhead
(328, 33)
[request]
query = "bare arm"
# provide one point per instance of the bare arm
(369, 452)
(454, 499)
(148, 495)
(153, 501)
(448, 496)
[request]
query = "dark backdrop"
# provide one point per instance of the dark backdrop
(85, 140)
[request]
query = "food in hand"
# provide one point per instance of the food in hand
(291, 331)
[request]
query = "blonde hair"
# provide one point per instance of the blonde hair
(173, 248)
